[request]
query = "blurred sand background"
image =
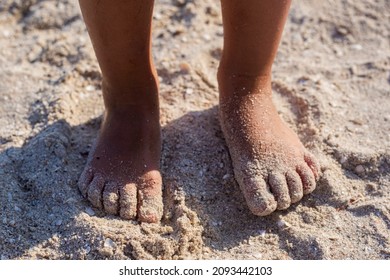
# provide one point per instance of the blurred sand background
(331, 84)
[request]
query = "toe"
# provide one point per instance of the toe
(111, 198)
(294, 183)
(128, 201)
(150, 207)
(85, 180)
(279, 189)
(260, 200)
(95, 191)
(307, 177)
(313, 164)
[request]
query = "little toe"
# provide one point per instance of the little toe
(111, 198)
(150, 206)
(279, 188)
(84, 181)
(260, 200)
(313, 163)
(128, 201)
(294, 183)
(307, 177)
(95, 191)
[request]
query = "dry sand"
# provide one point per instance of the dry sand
(331, 84)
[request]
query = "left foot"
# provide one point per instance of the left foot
(271, 165)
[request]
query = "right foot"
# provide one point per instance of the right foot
(122, 174)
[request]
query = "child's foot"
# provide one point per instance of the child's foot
(122, 174)
(270, 163)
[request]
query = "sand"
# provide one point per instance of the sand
(331, 84)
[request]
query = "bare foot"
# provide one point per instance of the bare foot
(270, 163)
(122, 173)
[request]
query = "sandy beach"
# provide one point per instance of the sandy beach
(331, 83)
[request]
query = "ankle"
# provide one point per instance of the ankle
(233, 84)
(125, 97)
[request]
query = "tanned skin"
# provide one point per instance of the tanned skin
(122, 175)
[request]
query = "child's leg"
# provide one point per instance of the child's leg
(270, 163)
(122, 173)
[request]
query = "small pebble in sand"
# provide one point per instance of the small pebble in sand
(283, 224)
(157, 16)
(206, 37)
(335, 216)
(280, 223)
(6, 33)
(70, 200)
(262, 233)
(343, 159)
(58, 222)
(109, 243)
(359, 169)
(165, 64)
(90, 88)
(189, 91)
(12, 222)
(357, 47)
(17, 209)
(226, 176)
(184, 68)
(257, 256)
(90, 211)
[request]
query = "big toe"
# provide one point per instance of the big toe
(95, 191)
(260, 200)
(150, 206)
